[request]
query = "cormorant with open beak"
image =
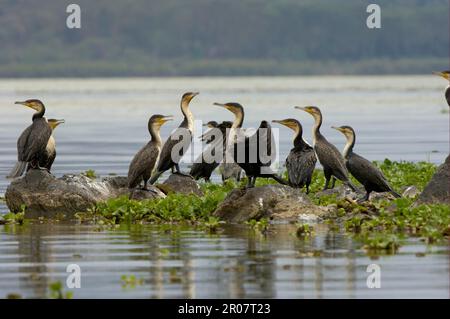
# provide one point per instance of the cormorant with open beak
(329, 156)
(363, 170)
(445, 75)
(143, 163)
(181, 139)
(32, 143)
(253, 164)
(301, 160)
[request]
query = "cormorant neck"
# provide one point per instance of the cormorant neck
(154, 133)
(348, 149)
(39, 114)
(238, 120)
(316, 128)
(188, 116)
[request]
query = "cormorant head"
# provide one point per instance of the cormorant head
(35, 104)
(235, 108)
(158, 120)
(313, 110)
(346, 130)
(187, 97)
(211, 124)
(293, 124)
(444, 74)
(53, 123)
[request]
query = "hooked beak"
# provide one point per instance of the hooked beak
(443, 74)
(220, 104)
(21, 103)
(62, 121)
(302, 108)
(278, 121)
(166, 119)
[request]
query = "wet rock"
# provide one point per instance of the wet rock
(342, 192)
(183, 184)
(277, 202)
(43, 195)
(438, 189)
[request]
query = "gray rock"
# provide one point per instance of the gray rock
(43, 195)
(342, 192)
(183, 184)
(277, 202)
(438, 189)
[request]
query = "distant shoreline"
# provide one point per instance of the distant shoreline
(223, 68)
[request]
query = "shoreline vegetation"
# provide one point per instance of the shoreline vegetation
(221, 67)
(380, 225)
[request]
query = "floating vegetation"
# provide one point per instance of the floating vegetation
(261, 225)
(131, 281)
(57, 292)
(90, 173)
(304, 230)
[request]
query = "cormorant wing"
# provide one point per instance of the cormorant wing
(363, 169)
(33, 140)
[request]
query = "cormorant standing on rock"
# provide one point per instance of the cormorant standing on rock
(363, 170)
(329, 157)
(143, 163)
(301, 160)
(32, 143)
(181, 139)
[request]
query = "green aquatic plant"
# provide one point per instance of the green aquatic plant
(304, 230)
(131, 281)
(57, 292)
(90, 173)
(261, 225)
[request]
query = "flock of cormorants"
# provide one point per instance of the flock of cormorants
(36, 150)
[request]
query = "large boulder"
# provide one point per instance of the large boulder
(438, 189)
(276, 202)
(43, 195)
(184, 184)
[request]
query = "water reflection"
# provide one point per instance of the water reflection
(181, 262)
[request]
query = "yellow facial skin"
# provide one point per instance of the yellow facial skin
(287, 123)
(160, 121)
(309, 109)
(444, 74)
(31, 104)
(54, 123)
(347, 132)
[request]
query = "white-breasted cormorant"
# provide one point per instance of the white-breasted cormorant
(143, 163)
(47, 159)
(301, 160)
(445, 75)
(252, 162)
(181, 138)
(32, 143)
(329, 156)
(363, 170)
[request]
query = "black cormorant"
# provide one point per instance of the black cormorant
(445, 75)
(181, 138)
(32, 143)
(363, 170)
(47, 159)
(251, 161)
(143, 163)
(208, 161)
(329, 157)
(301, 160)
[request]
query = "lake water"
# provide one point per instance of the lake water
(400, 118)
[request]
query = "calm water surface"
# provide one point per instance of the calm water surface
(396, 117)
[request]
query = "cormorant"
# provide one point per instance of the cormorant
(207, 161)
(445, 75)
(143, 163)
(181, 138)
(47, 159)
(32, 143)
(363, 170)
(301, 160)
(252, 163)
(329, 157)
